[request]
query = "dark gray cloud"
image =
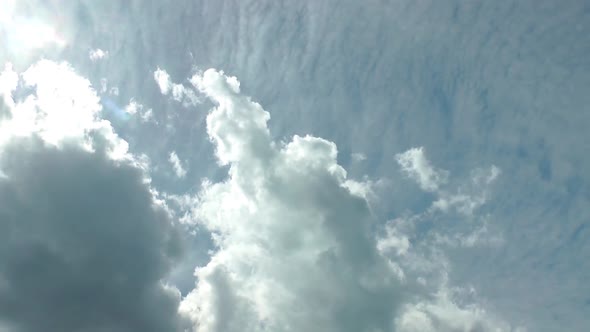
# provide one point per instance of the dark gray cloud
(83, 247)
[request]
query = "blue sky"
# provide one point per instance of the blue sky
(460, 130)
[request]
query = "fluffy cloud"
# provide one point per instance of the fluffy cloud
(59, 110)
(163, 80)
(178, 92)
(84, 245)
(295, 252)
(295, 246)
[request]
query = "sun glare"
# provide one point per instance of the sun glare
(25, 34)
(31, 34)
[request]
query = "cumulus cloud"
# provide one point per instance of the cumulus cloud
(84, 244)
(295, 246)
(178, 92)
(176, 165)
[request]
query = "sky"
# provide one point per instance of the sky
(345, 166)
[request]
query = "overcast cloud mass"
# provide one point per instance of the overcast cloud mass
(338, 166)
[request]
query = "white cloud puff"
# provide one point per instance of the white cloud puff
(163, 80)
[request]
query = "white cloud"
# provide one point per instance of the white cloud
(294, 246)
(60, 111)
(286, 228)
(136, 109)
(147, 116)
(176, 165)
(418, 168)
(179, 92)
(163, 80)
(443, 314)
(133, 107)
(98, 54)
(8, 83)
